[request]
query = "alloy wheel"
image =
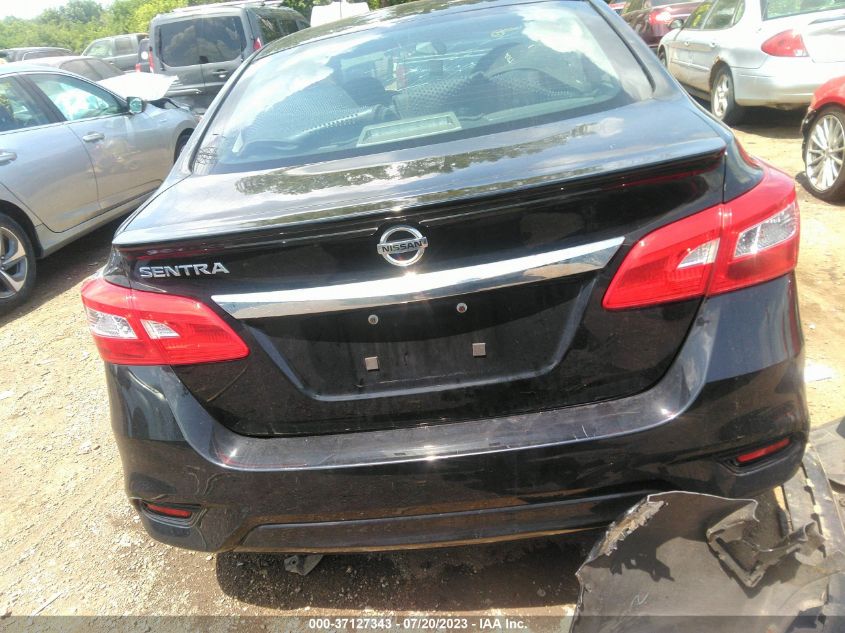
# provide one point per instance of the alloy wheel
(13, 264)
(721, 93)
(825, 152)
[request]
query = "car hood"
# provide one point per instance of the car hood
(609, 142)
(146, 86)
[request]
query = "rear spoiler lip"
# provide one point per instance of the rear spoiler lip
(190, 238)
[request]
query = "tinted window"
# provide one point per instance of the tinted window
(102, 48)
(222, 39)
(178, 42)
(103, 70)
(782, 8)
(77, 99)
(269, 29)
(40, 54)
(126, 45)
(722, 15)
(696, 19)
(417, 82)
(79, 67)
(17, 109)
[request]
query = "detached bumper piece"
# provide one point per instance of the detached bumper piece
(693, 562)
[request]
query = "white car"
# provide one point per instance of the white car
(773, 53)
(73, 156)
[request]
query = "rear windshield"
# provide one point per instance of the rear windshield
(783, 8)
(421, 81)
(273, 25)
(207, 40)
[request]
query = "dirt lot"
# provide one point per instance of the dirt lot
(69, 543)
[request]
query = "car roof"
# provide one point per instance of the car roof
(111, 37)
(34, 48)
(15, 68)
(223, 7)
(57, 61)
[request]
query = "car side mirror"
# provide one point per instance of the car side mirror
(136, 105)
(677, 23)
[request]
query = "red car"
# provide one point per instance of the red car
(824, 141)
(651, 19)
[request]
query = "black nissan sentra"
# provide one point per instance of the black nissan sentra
(450, 272)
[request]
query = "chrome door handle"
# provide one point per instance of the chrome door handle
(93, 137)
(422, 287)
(221, 74)
(712, 44)
(7, 157)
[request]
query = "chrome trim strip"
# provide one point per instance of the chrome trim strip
(413, 287)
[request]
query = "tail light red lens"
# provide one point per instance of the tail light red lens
(660, 17)
(785, 44)
(151, 60)
(133, 327)
(747, 241)
(256, 44)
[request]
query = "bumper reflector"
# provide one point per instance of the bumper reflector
(760, 453)
(176, 513)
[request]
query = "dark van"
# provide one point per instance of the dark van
(203, 45)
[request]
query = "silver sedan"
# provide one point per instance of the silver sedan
(739, 53)
(73, 156)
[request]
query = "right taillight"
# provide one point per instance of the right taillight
(749, 240)
(134, 327)
(785, 44)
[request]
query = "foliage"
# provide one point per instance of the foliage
(75, 24)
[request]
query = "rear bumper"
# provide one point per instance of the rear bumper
(783, 81)
(737, 384)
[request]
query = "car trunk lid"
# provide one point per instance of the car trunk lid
(502, 313)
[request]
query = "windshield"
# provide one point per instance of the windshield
(419, 81)
(783, 8)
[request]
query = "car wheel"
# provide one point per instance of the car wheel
(661, 55)
(824, 155)
(180, 145)
(722, 103)
(17, 264)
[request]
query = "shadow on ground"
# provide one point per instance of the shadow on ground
(520, 575)
(773, 124)
(66, 268)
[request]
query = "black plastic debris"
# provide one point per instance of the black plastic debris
(680, 561)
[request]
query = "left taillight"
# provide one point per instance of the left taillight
(785, 44)
(747, 241)
(133, 327)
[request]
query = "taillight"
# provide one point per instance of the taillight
(133, 327)
(661, 17)
(785, 44)
(138, 67)
(256, 44)
(151, 60)
(749, 240)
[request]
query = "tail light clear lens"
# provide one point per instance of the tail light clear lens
(747, 241)
(133, 327)
(785, 44)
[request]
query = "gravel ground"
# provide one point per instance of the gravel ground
(70, 544)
